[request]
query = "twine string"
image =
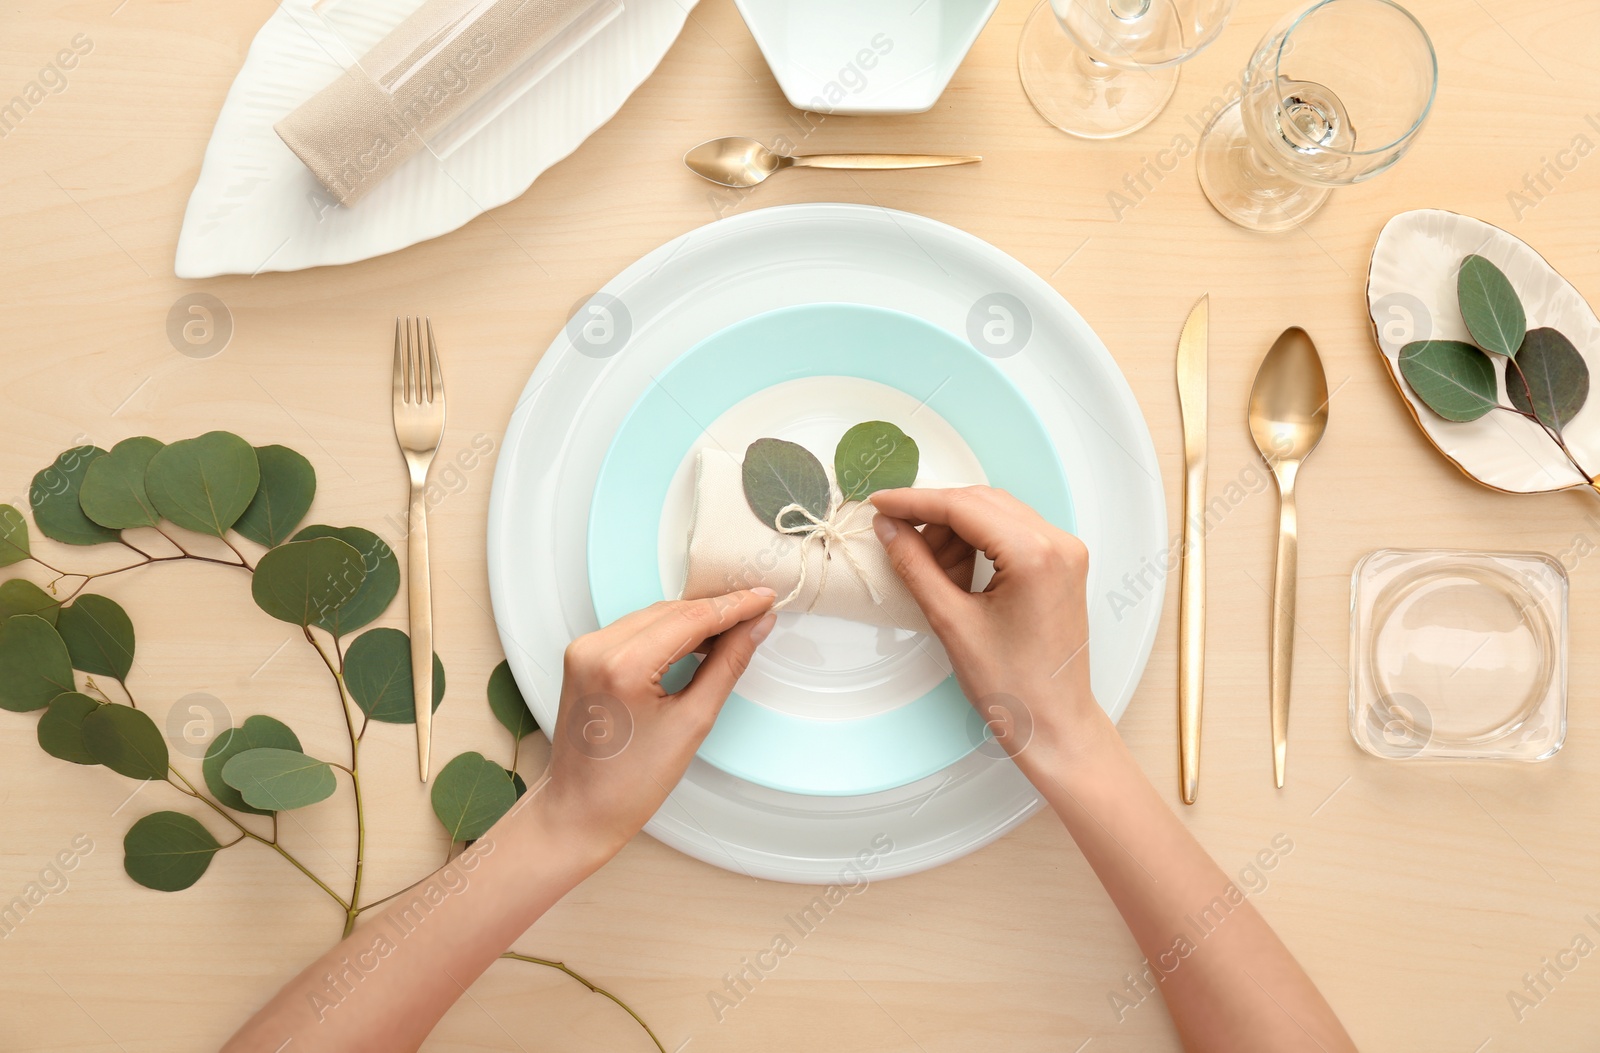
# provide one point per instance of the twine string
(831, 532)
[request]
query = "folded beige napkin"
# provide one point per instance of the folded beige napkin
(379, 112)
(841, 571)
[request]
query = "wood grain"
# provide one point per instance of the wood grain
(1417, 896)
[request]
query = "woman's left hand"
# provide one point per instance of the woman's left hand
(621, 742)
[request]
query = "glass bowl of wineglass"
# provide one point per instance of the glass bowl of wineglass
(1103, 68)
(1336, 94)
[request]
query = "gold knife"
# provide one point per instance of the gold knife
(1192, 368)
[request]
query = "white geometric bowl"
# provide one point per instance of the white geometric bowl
(859, 56)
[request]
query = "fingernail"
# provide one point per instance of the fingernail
(759, 630)
(885, 528)
(762, 590)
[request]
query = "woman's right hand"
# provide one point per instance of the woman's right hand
(1020, 647)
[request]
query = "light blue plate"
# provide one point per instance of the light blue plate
(752, 741)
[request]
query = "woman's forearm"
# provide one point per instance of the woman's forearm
(387, 984)
(1230, 986)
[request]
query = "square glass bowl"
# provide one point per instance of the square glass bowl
(1458, 655)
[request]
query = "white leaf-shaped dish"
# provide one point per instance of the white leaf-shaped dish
(1411, 295)
(256, 208)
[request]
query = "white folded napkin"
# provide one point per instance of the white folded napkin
(435, 64)
(841, 570)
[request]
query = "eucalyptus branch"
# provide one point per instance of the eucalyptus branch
(147, 561)
(188, 789)
(591, 985)
(221, 486)
(354, 770)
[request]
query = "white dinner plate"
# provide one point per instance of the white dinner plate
(735, 268)
(827, 706)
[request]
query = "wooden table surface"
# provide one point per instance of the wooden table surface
(1417, 896)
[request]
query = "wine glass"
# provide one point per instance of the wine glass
(1335, 94)
(1103, 68)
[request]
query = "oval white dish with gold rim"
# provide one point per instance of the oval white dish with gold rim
(1411, 295)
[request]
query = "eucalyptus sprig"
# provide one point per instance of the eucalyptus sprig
(873, 455)
(328, 582)
(1546, 377)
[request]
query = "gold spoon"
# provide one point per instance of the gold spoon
(739, 162)
(1288, 414)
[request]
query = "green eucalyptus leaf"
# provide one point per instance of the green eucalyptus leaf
(1550, 379)
(874, 455)
(517, 783)
(1490, 307)
(377, 670)
(470, 794)
(24, 597)
(34, 664)
(257, 732)
(278, 780)
(376, 591)
(304, 582)
(127, 741)
(61, 727)
(168, 851)
(98, 635)
(507, 704)
(204, 484)
(113, 493)
(54, 497)
(288, 483)
(14, 547)
(778, 474)
(1453, 378)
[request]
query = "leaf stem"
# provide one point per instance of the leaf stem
(1555, 435)
(188, 789)
(380, 902)
(352, 908)
(125, 543)
(242, 561)
(596, 988)
(47, 566)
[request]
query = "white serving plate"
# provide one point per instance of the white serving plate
(722, 273)
(256, 208)
(855, 57)
(1411, 295)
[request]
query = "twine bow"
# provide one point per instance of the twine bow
(830, 531)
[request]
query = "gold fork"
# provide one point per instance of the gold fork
(419, 425)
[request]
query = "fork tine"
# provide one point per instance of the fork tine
(399, 364)
(411, 364)
(418, 365)
(435, 375)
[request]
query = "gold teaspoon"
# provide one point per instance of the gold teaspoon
(740, 162)
(1288, 414)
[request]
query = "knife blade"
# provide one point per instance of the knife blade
(1192, 370)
